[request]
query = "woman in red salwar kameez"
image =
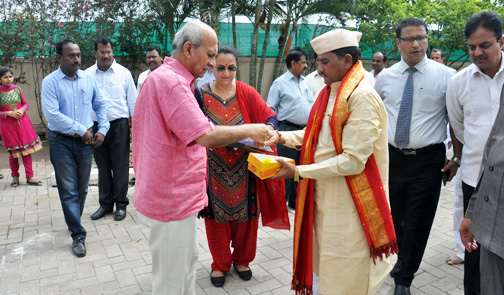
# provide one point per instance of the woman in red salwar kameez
(235, 195)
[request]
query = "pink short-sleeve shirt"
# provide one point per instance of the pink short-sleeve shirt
(170, 167)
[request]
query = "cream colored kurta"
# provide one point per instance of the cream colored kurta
(341, 256)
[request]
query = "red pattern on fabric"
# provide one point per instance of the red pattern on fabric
(241, 236)
(270, 193)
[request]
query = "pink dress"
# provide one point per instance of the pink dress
(18, 135)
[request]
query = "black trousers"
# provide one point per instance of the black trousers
(290, 184)
(414, 186)
(112, 159)
(471, 260)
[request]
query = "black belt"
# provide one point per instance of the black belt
(416, 152)
(73, 135)
(292, 124)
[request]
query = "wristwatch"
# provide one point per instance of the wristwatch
(456, 160)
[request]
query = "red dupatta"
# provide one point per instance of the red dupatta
(270, 193)
(366, 188)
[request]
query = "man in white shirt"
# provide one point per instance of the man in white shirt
(112, 157)
(413, 91)
(154, 60)
(379, 63)
(473, 101)
(315, 81)
(291, 98)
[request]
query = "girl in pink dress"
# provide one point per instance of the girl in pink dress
(19, 137)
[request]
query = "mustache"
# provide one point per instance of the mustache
(76, 64)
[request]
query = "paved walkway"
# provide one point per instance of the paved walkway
(36, 257)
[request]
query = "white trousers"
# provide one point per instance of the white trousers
(174, 250)
(458, 213)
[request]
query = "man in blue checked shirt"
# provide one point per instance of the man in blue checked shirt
(68, 97)
(291, 98)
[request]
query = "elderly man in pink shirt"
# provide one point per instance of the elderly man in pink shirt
(170, 136)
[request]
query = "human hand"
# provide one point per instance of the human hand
(98, 140)
(453, 167)
(260, 133)
(287, 170)
(87, 138)
(14, 114)
(274, 138)
(466, 236)
(20, 112)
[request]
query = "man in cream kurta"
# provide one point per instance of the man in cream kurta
(341, 255)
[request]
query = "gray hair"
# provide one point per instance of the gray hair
(191, 32)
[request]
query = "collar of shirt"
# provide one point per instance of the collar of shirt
(291, 76)
(61, 75)
(475, 69)
(179, 69)
(403, 66)
(112, 67)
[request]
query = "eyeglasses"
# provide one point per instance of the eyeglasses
(229, 68)
(104, 52)
(419, 39)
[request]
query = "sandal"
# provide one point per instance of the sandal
(15, 181)
(35, 183)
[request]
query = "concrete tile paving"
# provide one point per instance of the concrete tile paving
(35, 254)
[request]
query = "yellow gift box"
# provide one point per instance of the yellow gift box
(265, 166)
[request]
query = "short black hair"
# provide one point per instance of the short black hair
(4, 70)
(383, 53)
(410, 22)
(154, 47)
(295, 55)
(227, 49)
(103, 41)
(487, 19)
(354, 51)
(438, 50)
(59, 45)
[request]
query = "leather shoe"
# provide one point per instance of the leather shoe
(79, 247)
(120, 214)
(101, 212)
(217, 281)
(244, 275)
(401, 290)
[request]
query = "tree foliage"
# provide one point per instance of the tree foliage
(445, 19)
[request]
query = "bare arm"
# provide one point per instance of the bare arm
(224, 135)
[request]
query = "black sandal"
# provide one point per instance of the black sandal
(35, 183)
(14, 182)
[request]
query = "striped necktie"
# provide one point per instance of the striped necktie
(402, 133)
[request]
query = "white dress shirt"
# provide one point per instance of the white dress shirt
(428, 118)
(142, 78)
(117, 88)
(316, 82)
(473, 101)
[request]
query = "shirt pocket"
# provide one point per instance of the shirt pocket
(115, 92)
(431, 101)
(87, 96)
